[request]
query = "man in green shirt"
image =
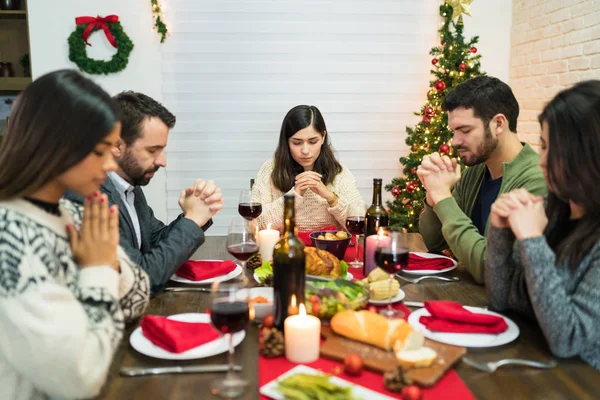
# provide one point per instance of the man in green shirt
(483, 114)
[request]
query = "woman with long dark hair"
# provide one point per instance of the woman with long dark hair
(66, 288)
(543, 258)
(304, 164)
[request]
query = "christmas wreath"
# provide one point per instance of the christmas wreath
(114, 33)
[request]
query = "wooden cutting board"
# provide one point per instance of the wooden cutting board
(337, 347)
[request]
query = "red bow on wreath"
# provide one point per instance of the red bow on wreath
(99, 22)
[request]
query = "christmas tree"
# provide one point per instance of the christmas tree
(454, 62)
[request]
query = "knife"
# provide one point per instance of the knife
(187, 289)
(414, 303)
(188, 369)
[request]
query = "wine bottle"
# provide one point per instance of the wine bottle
(375, 218)
(289, 268)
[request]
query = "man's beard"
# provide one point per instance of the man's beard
(484, 150)
(135, 172)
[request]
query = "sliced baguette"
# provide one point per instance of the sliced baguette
(420, 358)
(372, 328)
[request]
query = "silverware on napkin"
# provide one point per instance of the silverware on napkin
(188, 369)
(421, 304)
(436, 277)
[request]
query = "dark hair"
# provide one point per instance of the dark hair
(487, 96)
(135, 108)
(573, 120)
(54, 124)
(286, 168)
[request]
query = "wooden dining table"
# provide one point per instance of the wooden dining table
(571, 379)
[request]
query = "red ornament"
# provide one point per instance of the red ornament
(426, 119)
(415, 183)
(413, 171)
(396, 191)
(434, 61)
(473, 49)
(444, 149)
(408, 206)
(353, 364)
(410, 188)
(429, 111)
(462, 66)
(415, 147)
(412, 392)
(440, 86)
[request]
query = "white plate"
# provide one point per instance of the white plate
(348, 277)
(270, 389)
(143, 345)
(466, 339)
(237, 271)
(395, 299)
(429, 271)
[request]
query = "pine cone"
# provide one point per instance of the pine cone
(254, 262)
(395, 380)
(270, 343)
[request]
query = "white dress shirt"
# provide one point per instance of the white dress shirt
(126, 192)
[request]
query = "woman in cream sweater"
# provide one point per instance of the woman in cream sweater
(304, 164)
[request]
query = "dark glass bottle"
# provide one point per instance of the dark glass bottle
(376, 216)
(251, 183)
(289, 267)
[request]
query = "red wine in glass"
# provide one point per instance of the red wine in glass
(250, 211)
(356, 225)
(243, 251)
(391, 260)
(230, 317)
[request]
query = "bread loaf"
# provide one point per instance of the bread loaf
(375, 329)
(419, 358)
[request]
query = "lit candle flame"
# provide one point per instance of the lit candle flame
(381, 232)
(302, 311)
(269, 225)
(293, 301)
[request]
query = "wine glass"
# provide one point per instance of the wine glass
(392, 256)
(229, 314)
(355, 224)
(241, 241)
(246, 207)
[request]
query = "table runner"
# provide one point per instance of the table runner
(450, 386)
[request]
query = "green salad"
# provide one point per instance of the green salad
(265, 272)
(325, 299)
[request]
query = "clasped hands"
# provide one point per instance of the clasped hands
(438, 174)
(520, 211)
(201, 202)
(312, 180)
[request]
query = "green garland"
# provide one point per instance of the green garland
(159, 24)
(78, 52)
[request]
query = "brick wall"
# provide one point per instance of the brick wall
(554, 44)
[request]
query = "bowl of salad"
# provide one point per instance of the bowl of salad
(324, 299)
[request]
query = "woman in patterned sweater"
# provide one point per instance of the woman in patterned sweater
(304, 164)
(66, 289)
(543, 259)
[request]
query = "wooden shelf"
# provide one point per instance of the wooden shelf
(14, 84)
(13, 14)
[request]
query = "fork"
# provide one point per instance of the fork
(417, 280)
(492, 366)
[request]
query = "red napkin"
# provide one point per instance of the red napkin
(450, 316)
(200, 270)
(177, 336)
(418, 263)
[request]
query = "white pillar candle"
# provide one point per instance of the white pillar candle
(302, 335)
(371, 243)
(267, 239)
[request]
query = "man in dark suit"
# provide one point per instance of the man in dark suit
(158, 248)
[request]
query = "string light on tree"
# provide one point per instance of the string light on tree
(431, 133)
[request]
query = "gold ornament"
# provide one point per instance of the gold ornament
(460, 7)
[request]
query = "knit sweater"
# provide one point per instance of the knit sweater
(312, 211)
(448, 224)
(524, 275)
(60, 324)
